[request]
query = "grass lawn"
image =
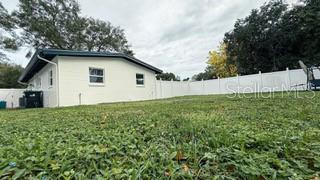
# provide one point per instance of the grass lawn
(188, 137)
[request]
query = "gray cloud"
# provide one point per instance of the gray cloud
(174, 35)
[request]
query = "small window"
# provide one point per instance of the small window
(96, 75)
(50, 78)
(140, 79)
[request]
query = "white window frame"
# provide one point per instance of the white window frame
(95, 83)
(144, 81)
(50, 78)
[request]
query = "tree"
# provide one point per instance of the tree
(9, 74)
(102, 36)
(308, 31)
(5, 18)
(253, 43)
(206, 75)
(218, 66)
(168, 77)
(57, 24)
(7, 35)
(218, 60)
(186, 79)
(275, 37)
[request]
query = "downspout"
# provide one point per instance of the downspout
(56, 65)
(25, 84)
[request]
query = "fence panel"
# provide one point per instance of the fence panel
(196, 88)
(298, 79)
(212, 86)
(229, 85)
(276, 81)
(11, 96)
(250, 83)
(262, 82)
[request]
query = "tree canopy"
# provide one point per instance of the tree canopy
(168, 77)
(7, 35)
(275, 37)
(58, 24)
(218, 61)
(9, 74)
(206, 75)
(53, 24)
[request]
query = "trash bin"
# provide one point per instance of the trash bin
(33, 99)
(3, 104)
(22, 102)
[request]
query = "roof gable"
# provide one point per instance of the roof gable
(35, 64)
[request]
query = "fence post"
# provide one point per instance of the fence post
(171, 87)
(202, 82)
(12, 101)
(155, 94)
(238, 82)
(182, 88)
(219, 90)
(189, 90)
(289, 79)
(160, 88)
(261, 83)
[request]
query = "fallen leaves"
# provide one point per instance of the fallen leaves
(185, 168)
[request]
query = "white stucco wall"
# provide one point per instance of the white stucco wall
(119, 81)
(49, 92)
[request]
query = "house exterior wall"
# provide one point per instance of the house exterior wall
(119, 81)
(40, 82)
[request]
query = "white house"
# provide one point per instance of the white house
(69, 78)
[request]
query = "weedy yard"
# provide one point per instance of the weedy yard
(186, 137)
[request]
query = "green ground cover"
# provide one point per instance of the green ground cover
(187, 137)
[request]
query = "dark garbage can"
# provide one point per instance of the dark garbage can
(3, 104)
(33, 99)
(22, 102)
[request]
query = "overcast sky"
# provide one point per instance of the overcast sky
(173, 35)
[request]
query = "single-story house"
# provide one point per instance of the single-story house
(69, 78)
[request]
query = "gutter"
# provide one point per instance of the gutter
(56, 65)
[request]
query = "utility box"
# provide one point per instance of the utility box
(33, 99)
(3, 104)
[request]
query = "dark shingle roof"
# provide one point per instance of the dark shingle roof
(35, 65)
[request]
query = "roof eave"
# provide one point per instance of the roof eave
(55, 52)
(29, 66)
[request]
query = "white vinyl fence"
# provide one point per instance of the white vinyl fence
(11, 96)
(263, 82)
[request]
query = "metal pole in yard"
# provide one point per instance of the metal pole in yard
(80, 98)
